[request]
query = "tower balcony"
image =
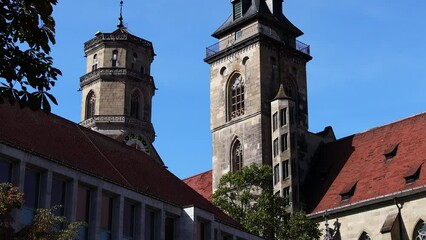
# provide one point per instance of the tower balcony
(115, 119)
(105, 73)
(245, 33)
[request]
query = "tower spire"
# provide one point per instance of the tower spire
(120, 19)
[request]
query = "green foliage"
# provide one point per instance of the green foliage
(247, 196)
(26, 29)
(45, 225)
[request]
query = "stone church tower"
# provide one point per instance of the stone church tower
(117, 88)
(258, 94)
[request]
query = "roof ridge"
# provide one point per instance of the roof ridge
(183, 179)
(390, 123)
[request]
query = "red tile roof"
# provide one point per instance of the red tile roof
(69, 144)
(360, 159)
(202, 183)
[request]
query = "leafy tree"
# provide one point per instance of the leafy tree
(247, 196)
(45, 223)
(26, 29)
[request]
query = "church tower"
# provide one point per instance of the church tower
(117, 88)
(258, 93)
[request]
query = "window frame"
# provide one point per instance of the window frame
(236, 96)
(237, 156)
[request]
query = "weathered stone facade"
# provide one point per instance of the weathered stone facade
(266, 55)
(118, 74)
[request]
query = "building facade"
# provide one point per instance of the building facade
(117, 89)
(366, 186)
(121, 189)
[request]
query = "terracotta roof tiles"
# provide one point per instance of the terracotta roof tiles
(69, 144)
(361, 159)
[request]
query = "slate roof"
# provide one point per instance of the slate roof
(359, 163)
(257, 9)
(69, 144)
(202, 183)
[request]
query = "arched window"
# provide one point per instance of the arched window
(136, 105)
(364, 236)
(114, 58)
(236, 96)
(420, 230)
(95, 62)
(90, 105)
(135, 58)
(237, 156)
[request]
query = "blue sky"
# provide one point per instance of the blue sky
(368, 67)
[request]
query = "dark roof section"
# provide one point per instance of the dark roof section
(202, 183)
(359, 158)
(120, 34)
(258, 9)
(281, 95)
(74, 146)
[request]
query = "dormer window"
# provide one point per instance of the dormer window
(348, 192)
(413, 175)
(240, 7)
(391, 153)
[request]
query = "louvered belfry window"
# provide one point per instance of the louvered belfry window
(236, 96)
(238, 9)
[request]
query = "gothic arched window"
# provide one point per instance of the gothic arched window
(95, 62)
(114, 58)
(90, 105)
(236, 96)
(364, 236)
(136, 105)
(237, 155)
(420, 231)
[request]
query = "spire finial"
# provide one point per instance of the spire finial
(120, 19)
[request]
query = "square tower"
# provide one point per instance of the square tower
(257, 53)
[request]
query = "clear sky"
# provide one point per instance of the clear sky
(368, 67)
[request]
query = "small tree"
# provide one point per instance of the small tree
(26, 30)
(45, 225)
(247, 196)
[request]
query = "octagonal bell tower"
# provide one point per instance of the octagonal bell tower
(117, 88)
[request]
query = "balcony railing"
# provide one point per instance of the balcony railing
(247, 32)
(116, 37)
(103, 72)
(114, 119)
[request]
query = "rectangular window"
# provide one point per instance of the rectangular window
(275, 147)
(83, 211)
(286, 194)
(285, 169)
(169, 228)
(275, 121)
(58, 195)
(5, 171)
(128, 221)
(31, 195)
(276, 173)
(293, 141)
(150, 225)
(238, 34)
(283, 117)
(284, 143)
(106, 217)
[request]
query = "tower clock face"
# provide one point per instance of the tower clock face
(137, 142)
